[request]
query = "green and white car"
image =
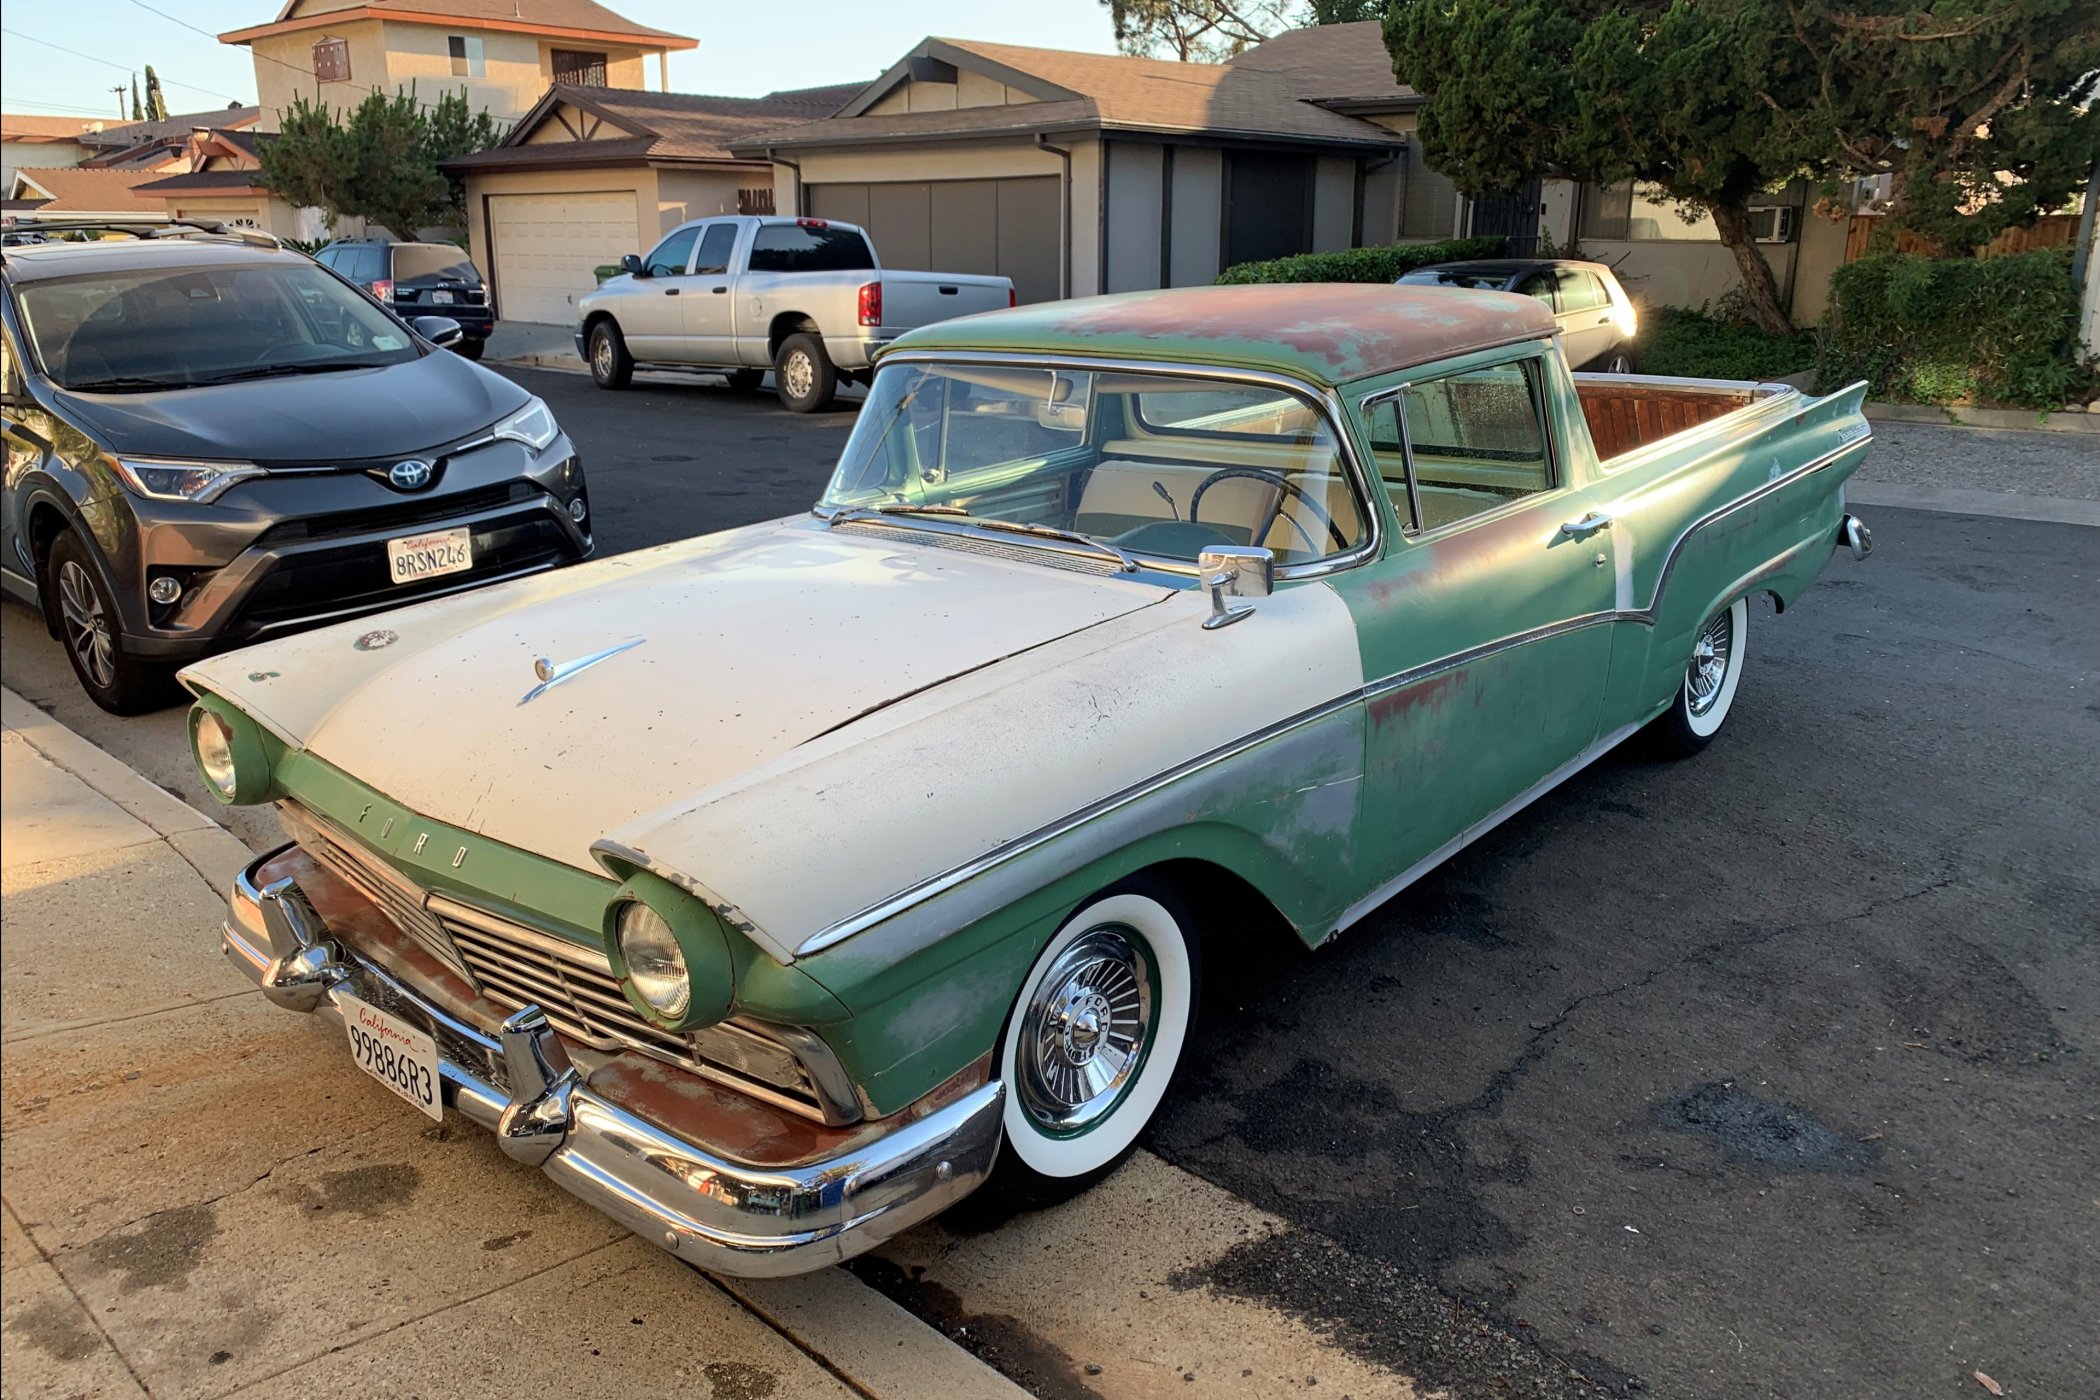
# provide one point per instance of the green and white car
(775, 889)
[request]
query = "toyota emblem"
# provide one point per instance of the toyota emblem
(412, 475)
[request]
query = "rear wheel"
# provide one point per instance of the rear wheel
(803, 374)
(745, 380)
(611, 366)
(1707, 692)
(471, 349)
(1619, 361)
(1093, 1042)
(88, 627)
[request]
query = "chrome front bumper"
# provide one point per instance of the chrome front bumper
(722, 1215)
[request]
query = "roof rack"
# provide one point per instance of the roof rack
(143, 226)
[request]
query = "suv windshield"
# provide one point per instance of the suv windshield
(1153, 464)
(156, 328)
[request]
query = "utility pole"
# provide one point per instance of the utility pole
(119, 90)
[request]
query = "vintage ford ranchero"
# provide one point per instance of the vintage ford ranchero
(775, 889)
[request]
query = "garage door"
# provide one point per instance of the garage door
(545, 245)
(1008, 228)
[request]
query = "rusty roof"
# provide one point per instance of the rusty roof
(1325, 333)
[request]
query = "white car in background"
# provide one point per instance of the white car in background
(1596, 317)
(805, 298)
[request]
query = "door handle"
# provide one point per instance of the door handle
(1589, 524)
(1605, 319)
(721, 291)
(670, 291)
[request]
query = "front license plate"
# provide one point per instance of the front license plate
(396, 1054)
(414, 557)
(441, 298)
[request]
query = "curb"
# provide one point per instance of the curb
(852, 1331)
(2018, 420)
(1955, 500)
(214, 852)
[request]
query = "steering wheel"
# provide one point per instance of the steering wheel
(1288, 488)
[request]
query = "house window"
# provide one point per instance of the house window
(332, 60)
(466, 56)
(579, 67)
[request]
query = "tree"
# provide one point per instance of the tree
(156, 104)
(1981, 113)
(1345, 11)
(1195, 31)
(380, 162)
(1668, 92)
(138, 112)
(451, 129)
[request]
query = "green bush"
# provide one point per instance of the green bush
(1702, 345)
(1958, 330)
(1362, 264)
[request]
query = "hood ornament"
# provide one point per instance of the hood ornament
(552, 673)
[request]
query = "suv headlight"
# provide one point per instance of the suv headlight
(655, 963)
(166, 479)
(532, 425)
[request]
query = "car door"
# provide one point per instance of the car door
(707, 306)
(1587, 321)
(26, 451)
(652, 314)
(1483, 627)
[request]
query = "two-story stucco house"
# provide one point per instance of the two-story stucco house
(503, 54)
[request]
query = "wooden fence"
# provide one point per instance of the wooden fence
(2049, 231)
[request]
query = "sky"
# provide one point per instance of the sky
(746, 49)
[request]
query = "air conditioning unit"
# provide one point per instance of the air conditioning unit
(1773, 223)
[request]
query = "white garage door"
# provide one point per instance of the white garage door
(546, 246)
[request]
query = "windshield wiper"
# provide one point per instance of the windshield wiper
(125, 384)
(274, 371)
(1124, 562)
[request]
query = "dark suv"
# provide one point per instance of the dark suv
(212, 440)
(418, 279)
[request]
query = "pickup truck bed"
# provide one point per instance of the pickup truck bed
(1626, 412)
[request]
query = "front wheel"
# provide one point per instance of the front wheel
(1093, 1042)
(1707, 692)
(470, 349)
(804, 374)
(88, 626)
(611, 366)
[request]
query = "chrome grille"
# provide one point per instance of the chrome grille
(397, 898)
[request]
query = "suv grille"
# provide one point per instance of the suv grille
(515, 966)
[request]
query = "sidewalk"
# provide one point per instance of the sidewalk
(202, 1197)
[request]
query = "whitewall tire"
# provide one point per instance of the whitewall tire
(1707, 692)
(1093, 1042)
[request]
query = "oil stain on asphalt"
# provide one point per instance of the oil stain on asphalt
(1760, 1132)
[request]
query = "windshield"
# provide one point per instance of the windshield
(158, 328)
(1150, 464)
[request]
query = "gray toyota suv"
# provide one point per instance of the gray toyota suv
(212, 439)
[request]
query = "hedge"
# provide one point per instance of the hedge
(1363, 264)
(1958, 330)
(1674, 341)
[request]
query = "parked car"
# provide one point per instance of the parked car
(1597, 319)
(773, 890)
(211, 440)
(805, 297)
(437, 279)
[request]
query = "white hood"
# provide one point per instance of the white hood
(750, 643)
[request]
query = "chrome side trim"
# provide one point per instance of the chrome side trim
(1481, 828)
(1329, 402)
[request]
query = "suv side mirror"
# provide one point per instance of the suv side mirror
(631, 264)
(441, 331)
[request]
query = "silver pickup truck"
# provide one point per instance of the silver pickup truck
(741, 294)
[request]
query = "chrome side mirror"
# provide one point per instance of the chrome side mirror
(1239, 571)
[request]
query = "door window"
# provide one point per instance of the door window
(1540, 285)
(1580, 291)
(715, 248)
(1469, 443)
(672, 255)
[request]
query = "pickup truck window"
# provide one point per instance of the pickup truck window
(715, 247)
(671, 256)
(1151, 464)
(810, 247)
(1474, 442)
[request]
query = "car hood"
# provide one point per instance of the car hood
(738, 648)
(409, 407)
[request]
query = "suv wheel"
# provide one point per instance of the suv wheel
(89, 629)
(470, 349)
(611, 366)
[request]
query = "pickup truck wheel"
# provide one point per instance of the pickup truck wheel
(611, 366)
(1093, 1042)
(745, 380)
(89, 626)
(1707, 692)
(804, 374)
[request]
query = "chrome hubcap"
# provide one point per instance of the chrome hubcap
(1702, 679)
(601, 354)
(1084, 1032)
(87, 629)
(798, 374)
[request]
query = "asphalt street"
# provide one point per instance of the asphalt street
(1766, 1073)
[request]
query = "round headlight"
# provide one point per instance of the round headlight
(212, 737)
(655, 964)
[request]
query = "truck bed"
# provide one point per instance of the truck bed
(1629, 412)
